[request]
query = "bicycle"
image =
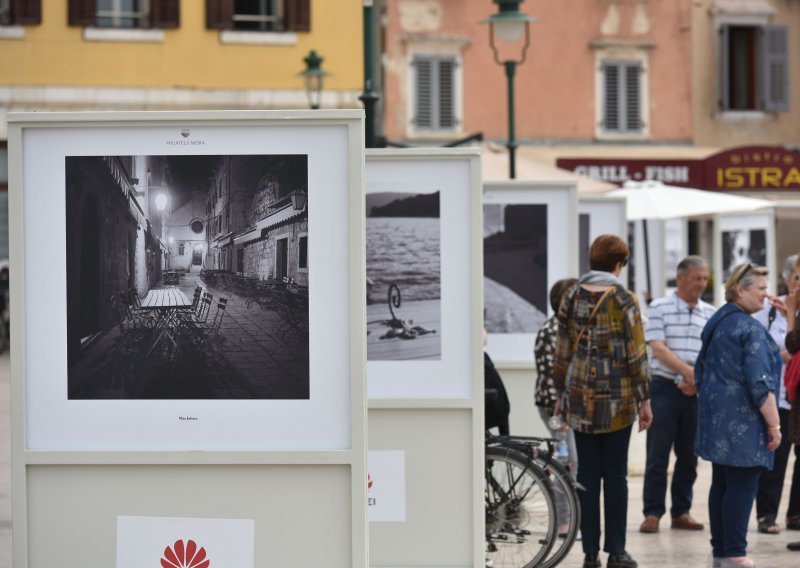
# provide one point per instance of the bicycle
(532, 484)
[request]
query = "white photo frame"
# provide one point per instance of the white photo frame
(245, 455)
(56, 423)
(556, 205)
(606, 216)
(450, 371)
(743, 237)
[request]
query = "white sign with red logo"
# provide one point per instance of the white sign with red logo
(386, 486)
(173, 542)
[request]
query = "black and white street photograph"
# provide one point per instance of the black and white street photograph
(515, 267)
(404, 288)
(187, 277)
(741, 246)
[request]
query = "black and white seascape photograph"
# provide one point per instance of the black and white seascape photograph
(403, 275)
(187, 277)
(741, 246)
(515, 267)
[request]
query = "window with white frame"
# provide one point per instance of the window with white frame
(753, 68)
(123, 13)
(20, 12)
(258, 15)
(5, 12)
(434, 93)
(621, 93)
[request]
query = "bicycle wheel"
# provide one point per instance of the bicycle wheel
(520, 513)
(568, 512)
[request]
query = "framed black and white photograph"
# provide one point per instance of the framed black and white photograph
(404, 273)
(531, 240)
(743, 238)
(198, 291)
(600, 215)
(187, 277)
(422, 303)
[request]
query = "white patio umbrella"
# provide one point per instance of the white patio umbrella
(654, 200)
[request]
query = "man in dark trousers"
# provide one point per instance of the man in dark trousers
(673, 332)
(496, 405)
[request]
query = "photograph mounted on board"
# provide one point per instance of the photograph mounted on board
(515, 267)
(404, 284)
(187, 277)
(741, 246)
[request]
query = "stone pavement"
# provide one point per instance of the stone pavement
(690, 549)
(667, 548)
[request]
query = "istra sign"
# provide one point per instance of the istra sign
(751, 168)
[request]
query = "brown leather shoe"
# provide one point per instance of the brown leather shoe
(686, 523)
(649, 525)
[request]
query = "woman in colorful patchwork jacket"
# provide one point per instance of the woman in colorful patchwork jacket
(602, 378)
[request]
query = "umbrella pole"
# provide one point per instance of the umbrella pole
(646, 261)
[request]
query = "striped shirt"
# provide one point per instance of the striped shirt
(777, 329)
(679, 326)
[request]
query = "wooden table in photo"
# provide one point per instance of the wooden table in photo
(166, 302)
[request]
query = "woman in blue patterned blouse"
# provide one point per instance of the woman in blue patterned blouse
(738, 428)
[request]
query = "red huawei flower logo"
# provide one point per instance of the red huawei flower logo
(185, 556)
(369, 481)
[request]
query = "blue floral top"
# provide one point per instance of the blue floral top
(742, 366)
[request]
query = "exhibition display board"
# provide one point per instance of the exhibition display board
(530, 241)
(424, 357)
(597, 216)
(188, 338)
(741, 238)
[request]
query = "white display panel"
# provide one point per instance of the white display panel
(742, 238)
(530, 242)
(386, 486)
(55, 422)
(599, 216)
(431, 261)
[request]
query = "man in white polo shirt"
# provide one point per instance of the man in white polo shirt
(673, 332)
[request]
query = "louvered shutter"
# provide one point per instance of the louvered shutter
(775, 65)
(446, 94)
(81, 13)
(298, 15)
(423, 70)
(165, 14)
(611, 99)
(219, 14)
(26, 12)
(723, 60)
(632, 106)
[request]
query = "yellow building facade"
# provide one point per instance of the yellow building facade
(175, 54)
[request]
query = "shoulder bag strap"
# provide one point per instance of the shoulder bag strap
(591, 317)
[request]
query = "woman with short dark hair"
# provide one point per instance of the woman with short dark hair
(738, 428)
(602, 380)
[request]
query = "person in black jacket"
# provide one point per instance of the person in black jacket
(497, 405)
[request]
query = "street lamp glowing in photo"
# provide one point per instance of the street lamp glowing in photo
(314, 76)
(161, 201)
(506, 30)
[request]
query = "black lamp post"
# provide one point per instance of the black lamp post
(314, 76)
(507, 27)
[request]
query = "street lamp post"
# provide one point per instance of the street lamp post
(314, 76)
(370, 96)
(507, 27)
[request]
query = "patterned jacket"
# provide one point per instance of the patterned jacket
(608, 375)
(544, 351)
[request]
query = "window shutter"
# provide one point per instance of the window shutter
(26, 12)
(632, 96)
(775, 65)
(298, 15)
(447, 115)
(219, 14)
(165, 14)
(81, 13)
(424, 93)
(723, 60)
(611, 101)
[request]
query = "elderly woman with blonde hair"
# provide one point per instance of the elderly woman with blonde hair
(738, 428)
